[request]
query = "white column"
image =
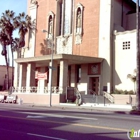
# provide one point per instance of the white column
(15, 75)
(41, 82)
(15, 71)
(30, 77)
(63, 75)
(108, 87)
(22, 75)
(50, 77)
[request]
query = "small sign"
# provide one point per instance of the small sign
(42, 76)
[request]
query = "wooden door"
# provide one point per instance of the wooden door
(95, 84)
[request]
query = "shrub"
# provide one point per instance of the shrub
(123, 92)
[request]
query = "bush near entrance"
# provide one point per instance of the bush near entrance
(123, 92)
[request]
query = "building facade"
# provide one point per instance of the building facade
(93, 47)
(3, 77)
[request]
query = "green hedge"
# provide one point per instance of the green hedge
(123, 92)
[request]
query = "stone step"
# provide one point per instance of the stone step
(94, 99)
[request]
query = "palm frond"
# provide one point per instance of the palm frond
(135, 70)
(131, 77)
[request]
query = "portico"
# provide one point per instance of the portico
(65, 73)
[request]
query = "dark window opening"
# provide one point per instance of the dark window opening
(78, 73)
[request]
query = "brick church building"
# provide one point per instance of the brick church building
(92, 44)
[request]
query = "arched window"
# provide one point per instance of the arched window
(78, 23)
(65, 16)
(79, 19)
(50, 25)
(68, 17)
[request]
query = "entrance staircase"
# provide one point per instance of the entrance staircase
(106, 98)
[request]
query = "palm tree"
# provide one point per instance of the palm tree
(7, 25)
(4, 41)
(24, 25)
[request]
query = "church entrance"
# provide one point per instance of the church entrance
(94, 85)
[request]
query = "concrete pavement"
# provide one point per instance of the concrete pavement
(100, 107)
(112, 108)
(125, 109)
(95, 107)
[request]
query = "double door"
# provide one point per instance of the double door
(94, 85)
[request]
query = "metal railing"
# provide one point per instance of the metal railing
(109, 97)
(92, 92)
(35, 89)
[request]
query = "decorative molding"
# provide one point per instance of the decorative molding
(51, 14)
(35, 2)
(79, 5)
(64, 45)
(65, 40)
(94, 69)
(78, 39)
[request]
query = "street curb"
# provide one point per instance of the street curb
(80, 108)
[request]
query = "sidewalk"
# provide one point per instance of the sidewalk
(108, 108)
(99, 107)
(124, 109)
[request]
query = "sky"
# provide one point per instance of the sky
(18, 6)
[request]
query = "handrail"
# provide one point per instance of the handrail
(93, 92)
(109, 97)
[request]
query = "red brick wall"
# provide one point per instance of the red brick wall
(89, 46)
(44, 7)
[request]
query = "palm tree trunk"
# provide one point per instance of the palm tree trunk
(138, 59)
(7, 66)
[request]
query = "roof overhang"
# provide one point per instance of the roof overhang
(71, 59)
